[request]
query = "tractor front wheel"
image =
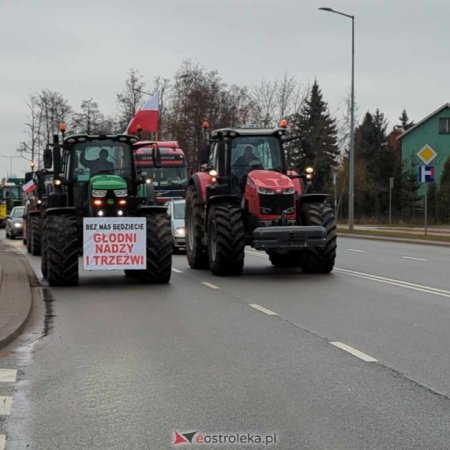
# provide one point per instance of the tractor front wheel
(226, 239)
(62, 249)
(159, 251)
(196, 253)
(320, 259)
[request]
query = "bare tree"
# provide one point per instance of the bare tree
(275, 100)
(129, 100)
(197, 95)
(46, 111)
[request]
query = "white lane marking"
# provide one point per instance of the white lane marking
(2, 442)
(5, 405)
(262, 309)
(399, 283)
(176, 270)
(414, 258)
(353, 351)
(212, 286)
(8, 375)
(356, 250)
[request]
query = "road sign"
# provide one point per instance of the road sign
(426, 154)
(426, 174)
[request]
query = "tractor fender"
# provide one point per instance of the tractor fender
(34, 212)
(312, 198)
(60, 210)
(201, 180)
(220, 199)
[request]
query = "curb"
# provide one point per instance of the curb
(16, 293)
(395, 239)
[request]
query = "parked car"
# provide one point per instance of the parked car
(14, 222)
(175, 208)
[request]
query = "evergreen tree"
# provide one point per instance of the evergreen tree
(375, 165)
(443, 199)
(316, 126)
(405, 123)
(90, 120)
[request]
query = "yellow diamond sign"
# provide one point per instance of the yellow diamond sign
(426, 154)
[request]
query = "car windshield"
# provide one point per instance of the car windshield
(167, 177)
(17, 213)
(92, 158)
(178, 210)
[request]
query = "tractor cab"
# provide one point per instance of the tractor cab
(236, 152)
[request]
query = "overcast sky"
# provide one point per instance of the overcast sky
(85, 49)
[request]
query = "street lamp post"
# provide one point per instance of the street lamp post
(351, 181)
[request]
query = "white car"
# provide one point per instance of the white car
(175, 209)
(14, 222)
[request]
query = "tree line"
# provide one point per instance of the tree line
(195, 94)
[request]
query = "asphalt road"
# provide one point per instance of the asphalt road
(116, 365)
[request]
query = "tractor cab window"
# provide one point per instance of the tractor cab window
(255, 152)
(11, 193)
(88, 159)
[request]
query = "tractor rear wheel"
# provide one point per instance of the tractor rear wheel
(63, 246)
(44, 249)
(226, 239)
(159, 250)
(196, 253)
(34, 236)
(27, 235)
(320, 260)
(285, 259)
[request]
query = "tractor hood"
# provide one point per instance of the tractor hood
(270, 180)
(108, 182)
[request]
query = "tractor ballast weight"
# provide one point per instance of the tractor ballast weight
(95, 177)
(246, 196)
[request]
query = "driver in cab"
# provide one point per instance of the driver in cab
(248, 159)
(99, 165)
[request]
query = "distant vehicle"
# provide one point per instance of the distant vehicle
(175, 209)
(169, 180)
(14, 223)
(10, 196)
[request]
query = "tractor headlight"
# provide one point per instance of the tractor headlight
(289, 191)
(180, 232)
(120, 192)
(263, 190)
(99, 192)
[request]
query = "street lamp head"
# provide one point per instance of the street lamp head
(326, 9)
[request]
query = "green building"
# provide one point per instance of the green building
(428, 142)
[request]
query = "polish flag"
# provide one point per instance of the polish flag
(29, 187)
(147, 118)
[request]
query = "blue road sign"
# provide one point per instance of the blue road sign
(426, 174)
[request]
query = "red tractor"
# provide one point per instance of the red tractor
(247, 196)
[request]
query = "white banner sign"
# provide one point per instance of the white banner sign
(114, 243)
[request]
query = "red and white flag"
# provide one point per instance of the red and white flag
(29, 187)
(147, 118)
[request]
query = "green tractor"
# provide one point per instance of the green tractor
(94, 200)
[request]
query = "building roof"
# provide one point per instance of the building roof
(446, 105)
